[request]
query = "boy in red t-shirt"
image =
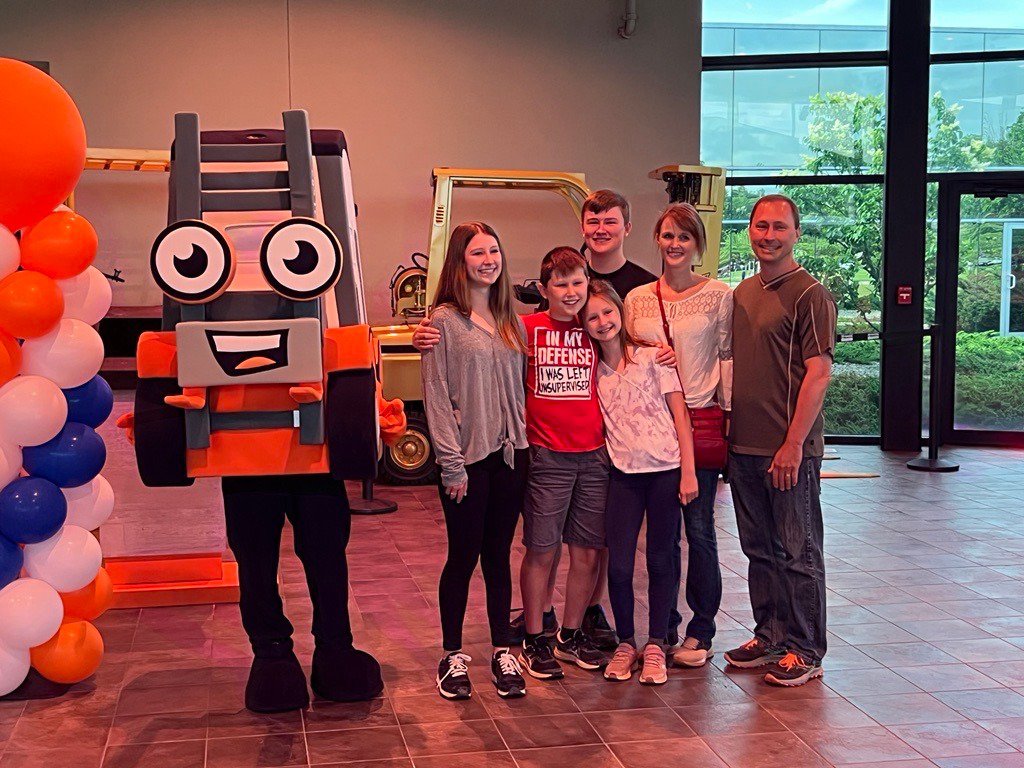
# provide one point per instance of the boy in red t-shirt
(568, 478)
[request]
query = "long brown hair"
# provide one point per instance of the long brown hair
(604, 290)
(453, 288)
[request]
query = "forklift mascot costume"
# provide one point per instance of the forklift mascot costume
(265, 375)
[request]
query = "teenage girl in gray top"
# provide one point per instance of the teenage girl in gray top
(474, 398)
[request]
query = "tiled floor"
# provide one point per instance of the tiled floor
(926, 666)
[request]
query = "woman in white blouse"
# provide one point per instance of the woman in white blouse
(698, 313)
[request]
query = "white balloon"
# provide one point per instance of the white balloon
(69, 355)
(87, 296)
(90, 505)
(32, 410)
(10, 465)
(30, 613)
(14, 664)
(66, 561)
(10, 252)
(62, 207)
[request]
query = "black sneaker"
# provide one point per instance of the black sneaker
(507, 675)
(517, 627)
(754, 653)
(539, 662)
(596, 627)
(578, 649)
(791, 670)
(453, 676)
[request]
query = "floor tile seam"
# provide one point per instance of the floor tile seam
(586, 716)
(1012, 750)
(885, 728)
(302, 725)
(962, 718)
(401, 732)
(501, 736)
(615, 757)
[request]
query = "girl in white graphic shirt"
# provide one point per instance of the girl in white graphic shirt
(649, 441)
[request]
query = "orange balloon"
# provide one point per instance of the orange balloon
(60, 246)
(44, 144)
(71, 655)
(90, 601)
(30, 304)
(10, 357)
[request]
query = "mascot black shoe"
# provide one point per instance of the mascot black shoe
(345, 674)
(276, 683)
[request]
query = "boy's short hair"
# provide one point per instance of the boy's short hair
(562, 260)
(777, 198)
(603, 200)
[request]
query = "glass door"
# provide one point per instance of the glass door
(980, 308)
(1011, 307)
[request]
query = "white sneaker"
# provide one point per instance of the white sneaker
(692, 653)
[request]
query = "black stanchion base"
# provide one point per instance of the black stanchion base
(368, 505)
(36, 687)
(925, 464)
(372, 506)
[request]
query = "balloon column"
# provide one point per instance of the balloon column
(51, 396)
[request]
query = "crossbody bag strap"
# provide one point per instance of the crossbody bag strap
(668, 333)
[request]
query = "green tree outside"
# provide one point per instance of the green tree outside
(842, 246)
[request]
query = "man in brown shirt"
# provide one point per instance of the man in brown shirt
(784, 324)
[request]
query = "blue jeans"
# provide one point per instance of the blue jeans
(782, 535)
(629, 497)
(703, 573)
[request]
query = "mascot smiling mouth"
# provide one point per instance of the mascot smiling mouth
(240, 353)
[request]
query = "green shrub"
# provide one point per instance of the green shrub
(851, 404)
(860, 352)
(989, 385)
(987, 353)
(990, 401)
(977, 305)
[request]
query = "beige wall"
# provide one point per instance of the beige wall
(413, 83)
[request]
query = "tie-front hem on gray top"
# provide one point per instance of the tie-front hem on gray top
(474, 395)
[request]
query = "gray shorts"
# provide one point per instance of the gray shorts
(565, 498)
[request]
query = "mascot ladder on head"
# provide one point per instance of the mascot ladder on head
(266, 375)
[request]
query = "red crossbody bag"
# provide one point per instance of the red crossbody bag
(710, 447)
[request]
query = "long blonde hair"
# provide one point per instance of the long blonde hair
(453, 288)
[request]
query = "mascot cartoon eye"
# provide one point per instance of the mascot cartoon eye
(192, 262)
(301, 258)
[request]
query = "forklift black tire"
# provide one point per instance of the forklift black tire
(410, 461)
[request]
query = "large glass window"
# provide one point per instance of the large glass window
(842, 247)
(804, 26)
(977, 116)
(815, 121)
(993, 25)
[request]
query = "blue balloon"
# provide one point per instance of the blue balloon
(90, 403)
(31, 510)
(72, 458)
(11, 561)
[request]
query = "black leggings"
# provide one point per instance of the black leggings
(317, 507)
(481, 527)
(629, 495)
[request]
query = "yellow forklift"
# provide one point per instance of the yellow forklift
(411, 460)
